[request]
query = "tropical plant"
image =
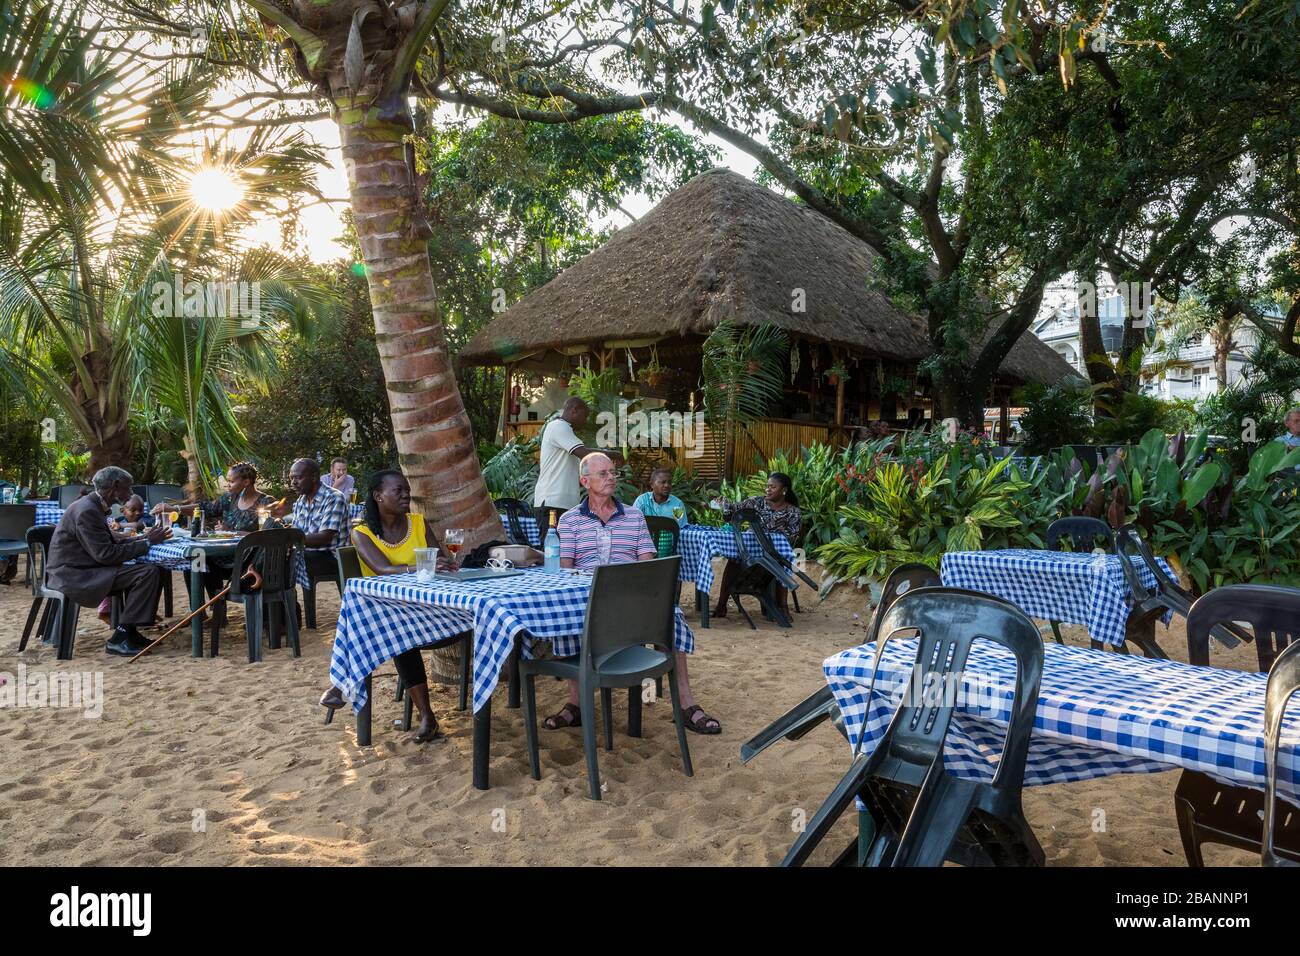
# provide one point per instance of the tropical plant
(512, 471)
(1055, 415)
(915, 512)
(743, 371)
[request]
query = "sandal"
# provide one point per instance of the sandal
(700, 726)
(557, 721)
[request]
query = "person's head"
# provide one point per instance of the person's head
(113, 484)
(388, 494)
(338, 468)
(598, 475)
(661, 483)
(779, 488)
(133, 508)
(240, 477)
(575, 411)
(304, 476)
(1292, 421)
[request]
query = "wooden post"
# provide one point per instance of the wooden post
(505, 405)
(1004, 420)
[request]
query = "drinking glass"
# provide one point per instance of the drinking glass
(453, 541)
(263, 513)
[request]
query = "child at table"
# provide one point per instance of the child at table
(659, 500)
(133, 521)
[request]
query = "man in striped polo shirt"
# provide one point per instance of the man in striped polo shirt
(603, 530)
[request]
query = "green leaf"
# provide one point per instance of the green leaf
(1199, 484)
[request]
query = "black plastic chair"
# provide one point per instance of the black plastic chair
(1283, 681)
(1273, 613)
(923, 815)
(630, 606)
(57, 613)
(1082, 533)
(14, 522)
(1209, 811)
(67, 495)
(272, 553)
(770, 552)
(820, 705)
(659, 527)
(514, 510)
(157, 494)
(1149, 604)
(758, 574)
(349, 566)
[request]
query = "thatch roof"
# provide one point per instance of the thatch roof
(724, 247)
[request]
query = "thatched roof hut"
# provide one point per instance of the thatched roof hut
(723, 247)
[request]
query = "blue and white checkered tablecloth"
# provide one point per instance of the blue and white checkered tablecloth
(383, 616)
(528, 521)
(700, 544)
(1079, 588)
(179, 554)
(47, 512)
(1098, 714)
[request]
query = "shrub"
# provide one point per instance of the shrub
(1055, 415)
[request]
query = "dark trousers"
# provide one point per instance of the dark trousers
(322, 564)
(138, 585)
(410, 668)
(543, 515)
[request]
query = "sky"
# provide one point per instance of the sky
(322, 225)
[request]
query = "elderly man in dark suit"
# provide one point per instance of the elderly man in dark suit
(87, 563)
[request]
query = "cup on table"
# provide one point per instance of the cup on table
(426, 563)
(263, 513)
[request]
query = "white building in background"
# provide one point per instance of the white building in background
(1192, 373)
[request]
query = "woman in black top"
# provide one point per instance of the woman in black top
(778, 513)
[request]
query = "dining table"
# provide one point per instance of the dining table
(385, 615)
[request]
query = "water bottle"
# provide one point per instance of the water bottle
(551, 549)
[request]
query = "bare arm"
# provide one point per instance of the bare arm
(374, 559)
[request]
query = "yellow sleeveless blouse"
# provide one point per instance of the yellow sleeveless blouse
(401, 553)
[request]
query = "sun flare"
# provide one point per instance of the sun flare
(216, 189)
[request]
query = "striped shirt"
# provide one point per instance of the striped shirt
(588, 541)
(326, 511)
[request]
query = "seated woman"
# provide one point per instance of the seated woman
(386, 541)
(778, 513)
(235, 509)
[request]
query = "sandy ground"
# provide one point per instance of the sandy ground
(219, 762)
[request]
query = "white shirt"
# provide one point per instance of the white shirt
(557, 478)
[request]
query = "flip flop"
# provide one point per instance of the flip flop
(701, 726)
(553, 722)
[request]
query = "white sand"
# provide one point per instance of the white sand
(218, 762)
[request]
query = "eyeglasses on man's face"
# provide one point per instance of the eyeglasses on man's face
(602, 474)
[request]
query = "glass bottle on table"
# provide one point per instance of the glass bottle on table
(551, 550)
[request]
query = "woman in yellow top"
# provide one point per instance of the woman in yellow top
(386, 541)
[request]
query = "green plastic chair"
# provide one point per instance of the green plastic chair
(630, 606)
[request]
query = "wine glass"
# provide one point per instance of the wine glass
(453, 541)
(263, 513)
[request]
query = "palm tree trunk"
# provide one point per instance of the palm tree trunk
(109, 437)
(435, 443)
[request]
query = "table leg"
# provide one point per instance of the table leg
(702, 606)
(363, 717)
(196, 625)
(512, 685)
(482, 744)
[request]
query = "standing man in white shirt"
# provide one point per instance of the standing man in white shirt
(562, 450)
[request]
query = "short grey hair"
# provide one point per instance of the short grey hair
(109, 476)
(584, 468)
(1293, 411)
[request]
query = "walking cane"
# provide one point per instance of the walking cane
(256, 582)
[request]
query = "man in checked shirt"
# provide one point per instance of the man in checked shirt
(603, 530)
(320, 513)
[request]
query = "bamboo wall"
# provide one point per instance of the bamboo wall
(761, 439)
